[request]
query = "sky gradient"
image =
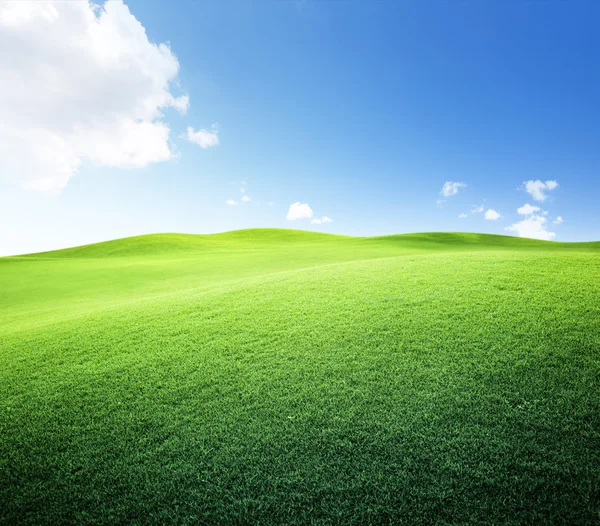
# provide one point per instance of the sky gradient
(359, 118)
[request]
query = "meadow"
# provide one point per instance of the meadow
(288, 377)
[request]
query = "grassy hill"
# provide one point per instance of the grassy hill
(287, 377)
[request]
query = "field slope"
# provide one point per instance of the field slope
(287, 377)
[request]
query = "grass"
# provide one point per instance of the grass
(285, 377)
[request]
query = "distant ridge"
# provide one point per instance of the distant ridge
(175, 243)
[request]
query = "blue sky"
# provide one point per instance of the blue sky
(360, 110)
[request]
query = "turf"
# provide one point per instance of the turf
(286, 377)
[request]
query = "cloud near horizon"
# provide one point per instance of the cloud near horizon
(82, 83)
(533, 226)
(299, 210)
(535, 223)
(322, 220)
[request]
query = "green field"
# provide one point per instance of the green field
(288, 377)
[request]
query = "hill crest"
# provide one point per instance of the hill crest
(177, 243)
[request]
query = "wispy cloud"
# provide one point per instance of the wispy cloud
(231, 202)
(451, 188)
(462, 216)
(558, 220)
(537, 189)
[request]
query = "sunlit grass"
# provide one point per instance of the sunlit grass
(275, 377)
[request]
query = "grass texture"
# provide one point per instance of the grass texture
(287, 377)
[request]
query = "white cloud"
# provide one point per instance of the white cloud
(204, 138)
(537, 189)
(533, 226)
(440, 202)
(477, 209)
(270, 203)
(81, 83)
(491, 214)
(299, 211)
(231, 202)
(451, 188)
(462, 216)
(528, 209)
(245, 198)
(558, 220)
(324, 219)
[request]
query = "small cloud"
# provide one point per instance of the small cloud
(492, 215)
(537, 189)
(204, 138)
(299, 211)
(270, 203)
(231, 202)
(245, 198)
(533, 227)
(324, 219)
(440, 203)
(477, 209)
(242, 190)
(462, 216)
(528, 209)
(451, 188)
(558, 220)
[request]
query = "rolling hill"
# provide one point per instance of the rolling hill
(287, 377)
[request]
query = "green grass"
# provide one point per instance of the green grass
(286, 377)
